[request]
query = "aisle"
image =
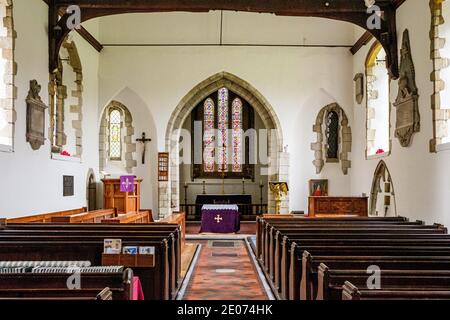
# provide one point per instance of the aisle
(224, 271)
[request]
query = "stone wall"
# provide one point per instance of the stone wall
(7, 52)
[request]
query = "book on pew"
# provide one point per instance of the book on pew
(112, 246)
(130, 250)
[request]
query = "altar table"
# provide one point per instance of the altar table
(220, 219)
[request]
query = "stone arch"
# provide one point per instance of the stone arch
(58, 94)
(169, 193)
(128, 145)
(382, 175)
(345, 138)
(7, 103)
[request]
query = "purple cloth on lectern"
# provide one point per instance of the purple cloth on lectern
(220, 221)
(127, 184)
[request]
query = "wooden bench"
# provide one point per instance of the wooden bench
(131, 217)
(45, 217)
(55, 294)
(86, 217)
(317, 231)
(32, 242)
(351, 292)
(401, 276)
(119, 284)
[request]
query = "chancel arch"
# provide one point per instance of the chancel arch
(116, 147)
(169, 192)
(378, 141)
(334, 138)
(8, 70)
(382, 196)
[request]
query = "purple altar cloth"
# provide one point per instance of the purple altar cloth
(220, 221)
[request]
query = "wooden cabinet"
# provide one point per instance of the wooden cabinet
(124, 202)
(338, 206)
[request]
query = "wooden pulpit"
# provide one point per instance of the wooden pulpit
(124, 202)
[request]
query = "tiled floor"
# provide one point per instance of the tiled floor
(209, 283)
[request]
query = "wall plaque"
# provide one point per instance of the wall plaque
(35, 116)
(163, 166)
(68, 186)
(407, 102)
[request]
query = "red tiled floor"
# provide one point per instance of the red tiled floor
(246, 228)
(207, 284)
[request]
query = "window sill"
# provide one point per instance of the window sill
(58, 157)
(5, 148)
(443, 147)
(379, 156)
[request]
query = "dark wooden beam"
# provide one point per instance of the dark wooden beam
(86, 35)
(353, 11)
(362, 41)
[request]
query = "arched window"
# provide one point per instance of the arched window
(225, 116)
(208, 140)
(237, 135)
(378, 105)
(117, 147)
(382, 196)
(440, 53)
(334, 138)
(332, 131)
(7, 72)
(115, 135)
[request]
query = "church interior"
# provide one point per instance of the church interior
(224, 150)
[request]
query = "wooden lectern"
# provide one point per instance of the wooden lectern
(124, 202)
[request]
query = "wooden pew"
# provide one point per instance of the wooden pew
(319, 232)
(56, 294)
(331, 281)
(291, 219)
(45, 217)
(131, 217)
(351, 292)
(164, 276)
(119, 284)
(86, 217)
(282, 266)
(180, 219)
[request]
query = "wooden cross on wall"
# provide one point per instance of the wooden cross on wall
(144, 141)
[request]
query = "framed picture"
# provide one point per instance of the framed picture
(318, 188)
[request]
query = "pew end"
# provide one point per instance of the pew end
(350, 292)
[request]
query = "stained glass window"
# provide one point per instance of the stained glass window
(208, 138)
(236, 112)
(223, 130)
(115, 134)
(332, 133)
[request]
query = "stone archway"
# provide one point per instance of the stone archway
(169, 191)
(382, 184)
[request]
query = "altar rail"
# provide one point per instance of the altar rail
(248, 212)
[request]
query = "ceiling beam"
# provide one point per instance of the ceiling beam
(353, 11)
(362, 41)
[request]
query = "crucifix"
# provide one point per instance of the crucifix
(144, 141)
(218, 218)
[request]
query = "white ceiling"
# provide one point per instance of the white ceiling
(182, 28)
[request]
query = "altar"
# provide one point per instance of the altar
(220, 219)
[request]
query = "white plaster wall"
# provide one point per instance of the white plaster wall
(297, 82)
(31, 181)
(421, 179)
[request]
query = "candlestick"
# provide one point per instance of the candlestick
(243, 185)
(261, 187)
(204, 187)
